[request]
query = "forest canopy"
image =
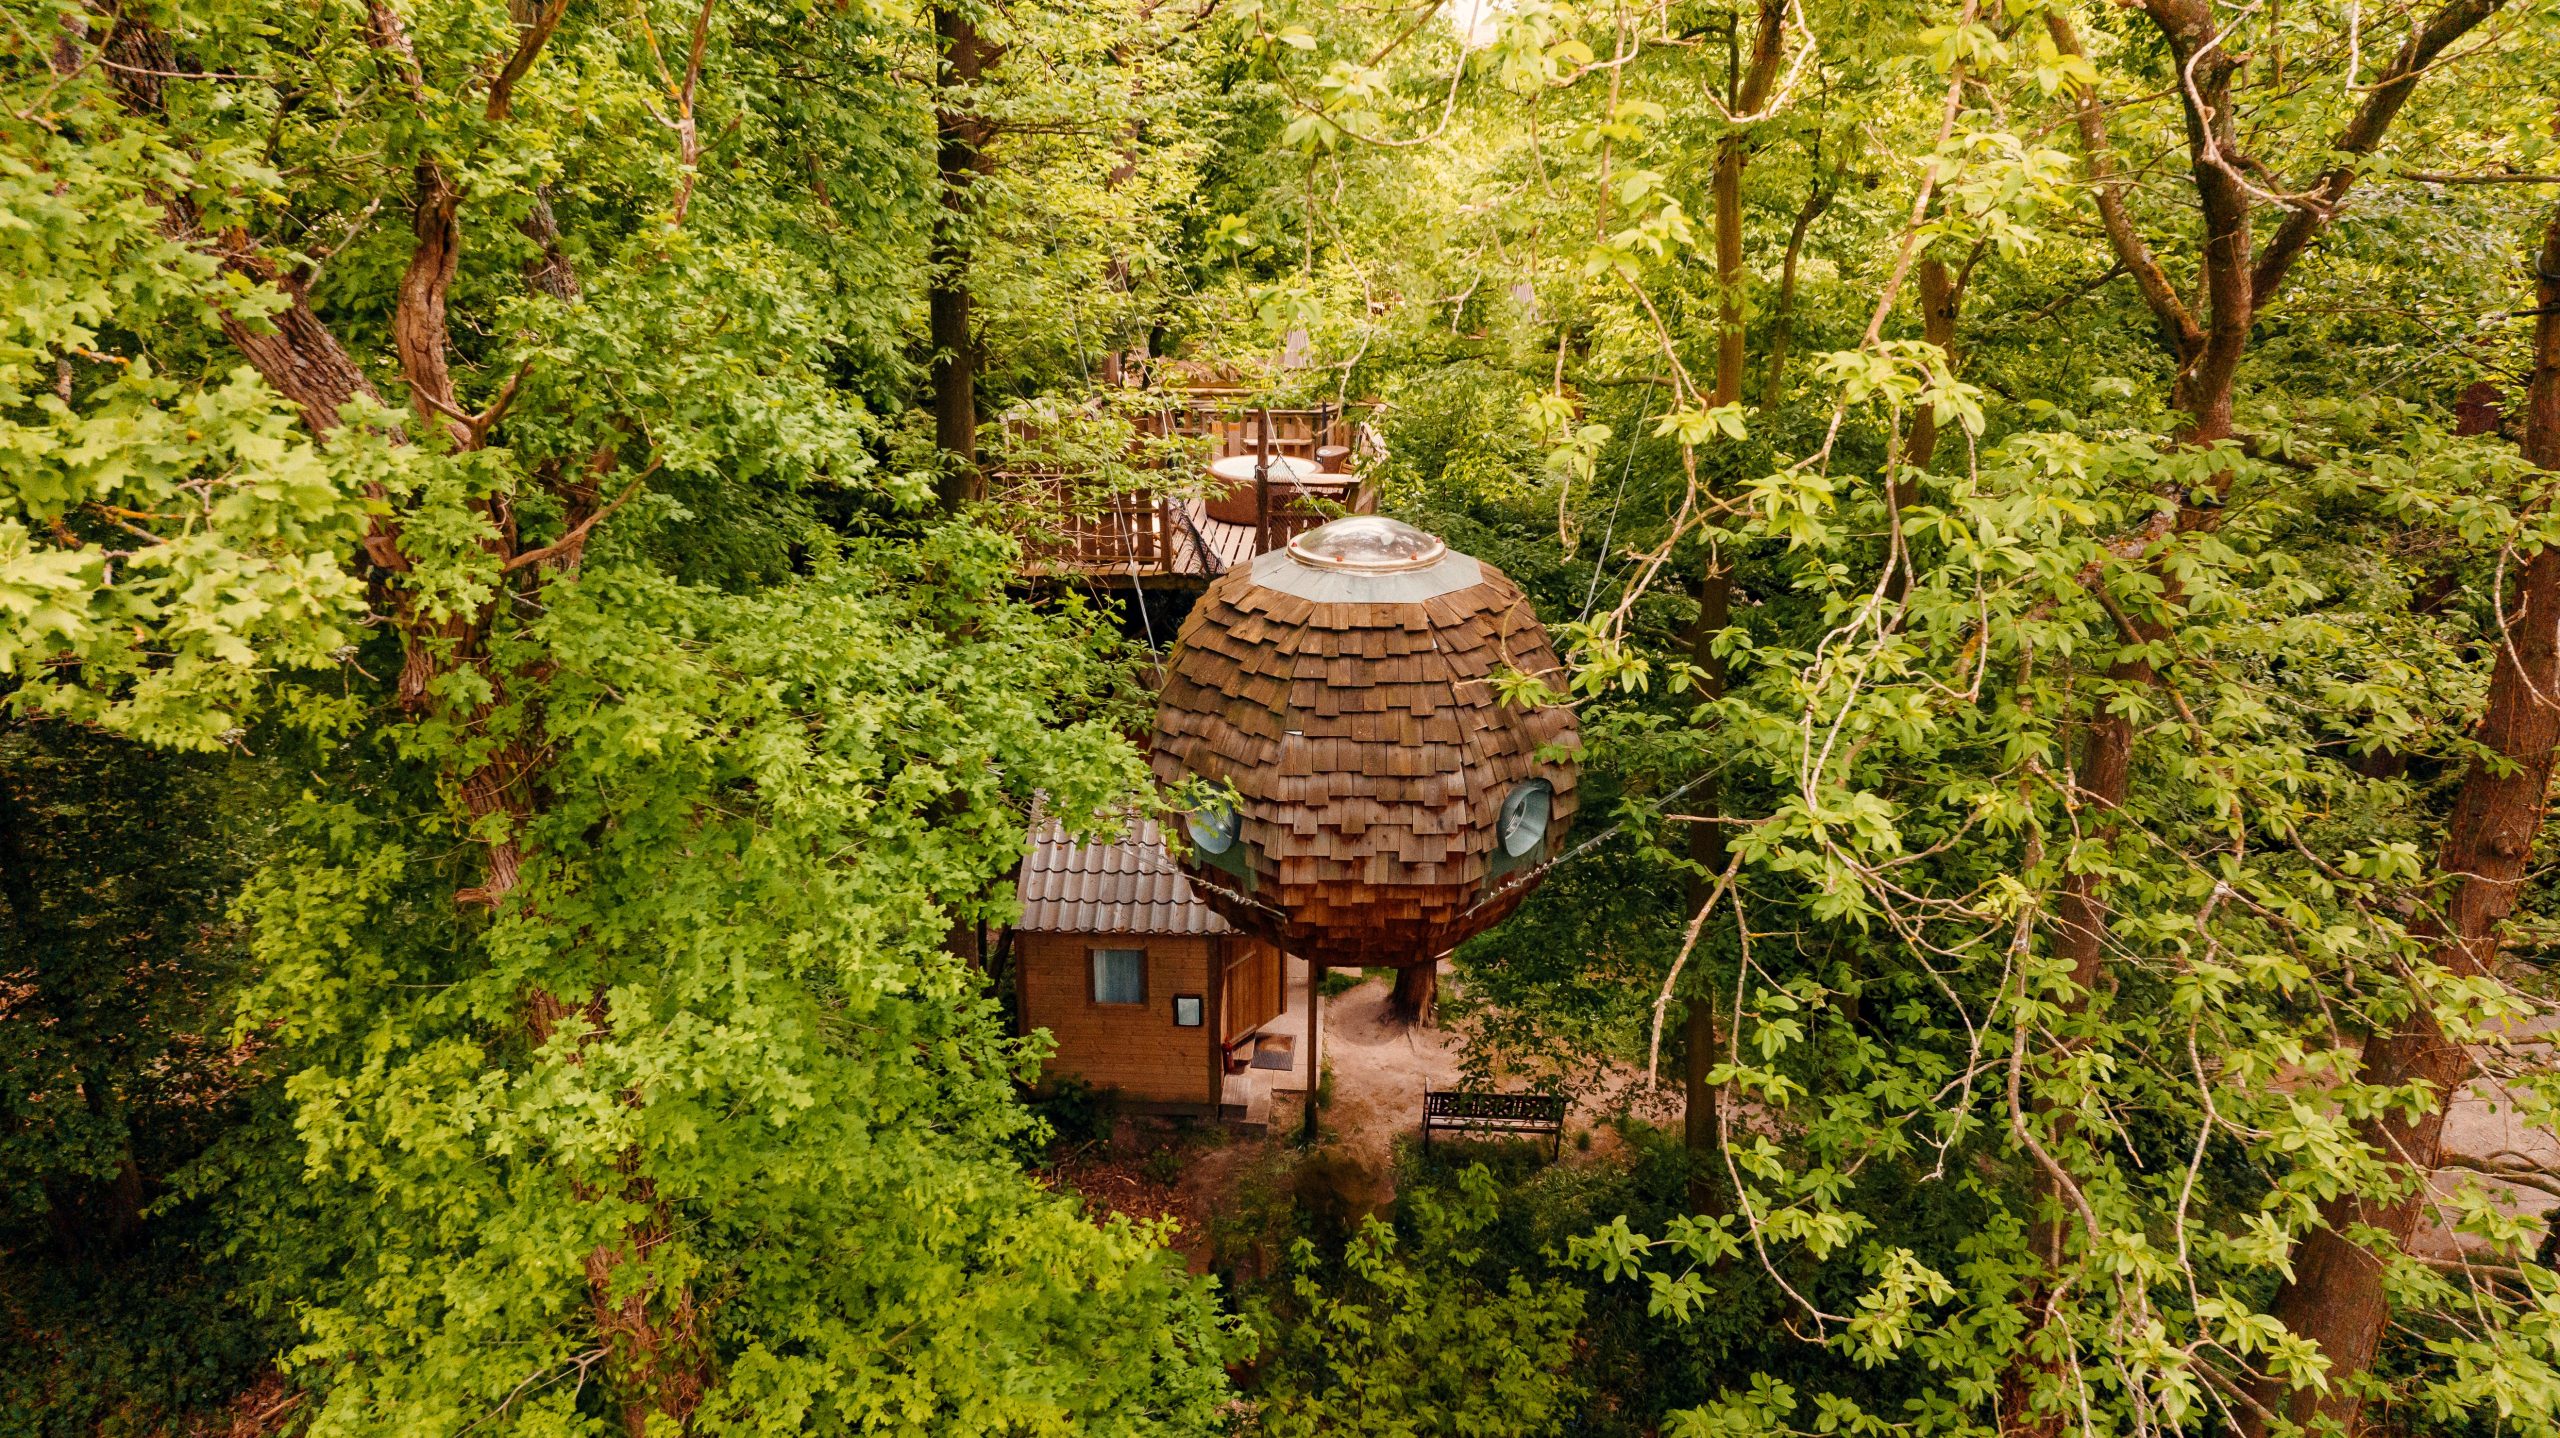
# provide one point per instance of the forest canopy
(528, 668)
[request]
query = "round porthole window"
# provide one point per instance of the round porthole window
(1523, 825)
(1213, 827)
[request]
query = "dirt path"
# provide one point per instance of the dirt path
(1380, 1069)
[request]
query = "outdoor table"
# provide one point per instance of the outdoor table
(1234, 504)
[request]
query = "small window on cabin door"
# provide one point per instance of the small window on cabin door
(1119, 976)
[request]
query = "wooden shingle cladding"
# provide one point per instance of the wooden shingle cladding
(1355, 715)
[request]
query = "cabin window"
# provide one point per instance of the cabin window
(1119, 976)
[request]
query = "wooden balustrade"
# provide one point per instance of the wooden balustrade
(1145, 534)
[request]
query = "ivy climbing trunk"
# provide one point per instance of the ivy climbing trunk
(659, 1361)
(2335, 1297)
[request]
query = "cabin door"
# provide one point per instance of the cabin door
(1253, 995)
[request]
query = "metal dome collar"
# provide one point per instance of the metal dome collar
(1367, 544)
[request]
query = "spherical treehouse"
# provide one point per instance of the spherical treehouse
(1379, 803)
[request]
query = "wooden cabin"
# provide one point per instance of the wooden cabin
(1145, 990)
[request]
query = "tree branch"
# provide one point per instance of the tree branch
(418, 330)
(2382, 105)
(2197, 43)
(688, 133)
(2134, 255)
(576, 538)
(537, 26)
(2433, 177)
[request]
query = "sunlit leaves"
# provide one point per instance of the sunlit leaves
(166, 539)
(1411, 1340)
(1698, 426)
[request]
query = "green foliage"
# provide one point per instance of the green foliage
(163, 1338)
(1892, 741)
(769, 806)
(1078, 1114)
(119, 1306)
(116, 864)
(1412, 1343)
(611, 1067)
(624, 1076)
(165, 533)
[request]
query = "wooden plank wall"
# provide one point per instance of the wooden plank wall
(1134, 1048)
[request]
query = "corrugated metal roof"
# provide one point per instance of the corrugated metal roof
(1131, 887)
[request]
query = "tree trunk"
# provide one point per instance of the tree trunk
(1749, 90)
(1941, 296)
(1702, 1045)
(1415, 988)
(1713, 590)
(2235, 286)
(1940, 299)
(661, 1362)
(1315, 1049)
(1782, 319)
(2209, 356)
(960, 158)
(2335, 1296)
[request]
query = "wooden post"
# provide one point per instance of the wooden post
(1214, 1016)
(1315, 1043)
(1262, 493)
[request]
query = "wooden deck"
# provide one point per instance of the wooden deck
(1179, 542)
(1204, 546)
(1149, 538)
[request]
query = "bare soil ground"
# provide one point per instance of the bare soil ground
(2484, 1127)
(1380, 1068)
(1197, 1174)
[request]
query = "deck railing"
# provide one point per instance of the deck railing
(1142, 533)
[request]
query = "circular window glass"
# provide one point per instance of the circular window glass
(1213, 827)
(1369, 544)
(1523, 825)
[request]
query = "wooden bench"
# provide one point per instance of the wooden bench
(1458, 1110)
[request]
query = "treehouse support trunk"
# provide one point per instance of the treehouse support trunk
(1415, 987)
